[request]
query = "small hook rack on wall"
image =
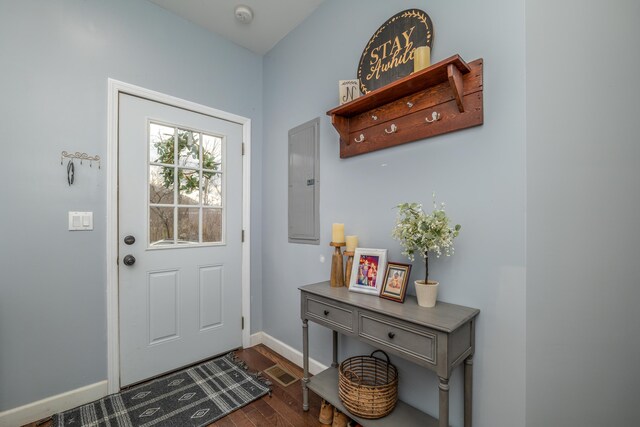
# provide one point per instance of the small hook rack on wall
(71, 169)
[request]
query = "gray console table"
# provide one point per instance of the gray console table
(438, 338)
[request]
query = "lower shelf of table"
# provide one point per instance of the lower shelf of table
(325, 385)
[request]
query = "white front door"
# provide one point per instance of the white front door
(179, 228)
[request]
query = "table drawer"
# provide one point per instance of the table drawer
(333, 315)
(390, 333)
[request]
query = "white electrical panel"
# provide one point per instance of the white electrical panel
(80, 221)
(304, 183)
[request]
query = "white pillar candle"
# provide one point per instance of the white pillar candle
(337, 233)
(421, 58)
(352, 243)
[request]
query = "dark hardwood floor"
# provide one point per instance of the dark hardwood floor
(283, 408)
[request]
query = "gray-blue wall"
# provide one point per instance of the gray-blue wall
(479, 173)
(583, 199)
(55, 58)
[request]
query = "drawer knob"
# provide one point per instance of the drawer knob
(326, 312)
(391, 335)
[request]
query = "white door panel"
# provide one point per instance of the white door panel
(180, 302)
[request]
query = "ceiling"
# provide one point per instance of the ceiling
(272, 19)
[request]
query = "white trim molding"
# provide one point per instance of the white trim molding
(286, 351)
(36, 411)
(115, 88)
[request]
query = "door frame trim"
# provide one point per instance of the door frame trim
(115, 88)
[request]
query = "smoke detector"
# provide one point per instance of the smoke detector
(244, 14)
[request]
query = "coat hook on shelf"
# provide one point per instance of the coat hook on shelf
(360, 138)
(435, 116)
(392, 129)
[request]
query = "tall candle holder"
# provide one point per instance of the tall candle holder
(349, 267)
(337, 272)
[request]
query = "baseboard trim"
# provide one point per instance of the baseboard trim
(287, 351)
(52, 405)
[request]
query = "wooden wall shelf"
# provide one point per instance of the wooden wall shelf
(444, 97)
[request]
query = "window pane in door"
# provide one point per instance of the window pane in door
(211, 189)
(211, 152)
(161, 143)
(189, 187)
(160, 225)
(161, 185)
(212, 225)
(188, 225)
(188, 148)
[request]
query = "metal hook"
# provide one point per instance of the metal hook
(409, 104)
(81, 156)
(374, 117)
(393, 129)
(435, 116)
(360, 138)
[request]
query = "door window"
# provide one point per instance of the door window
(186, 186)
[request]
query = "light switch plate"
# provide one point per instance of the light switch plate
(80, 221)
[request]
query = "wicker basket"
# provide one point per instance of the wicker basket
(368, 386)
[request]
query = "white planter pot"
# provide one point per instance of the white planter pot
(426, 293)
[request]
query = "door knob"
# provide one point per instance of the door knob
(129, 240)
(129, 260)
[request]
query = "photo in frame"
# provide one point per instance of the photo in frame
(368, 270)
(396, 277)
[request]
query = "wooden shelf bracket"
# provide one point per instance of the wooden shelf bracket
(455, 80)
(342, 126)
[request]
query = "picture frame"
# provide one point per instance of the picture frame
(396, 277)
(367, 271)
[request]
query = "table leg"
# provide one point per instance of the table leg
(305, 364)
(335, 350)
(443, 414)
(468, 390)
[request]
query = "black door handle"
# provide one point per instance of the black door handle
(129, 260)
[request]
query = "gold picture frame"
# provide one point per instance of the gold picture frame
(396, 277)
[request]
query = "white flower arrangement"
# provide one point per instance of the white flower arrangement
(419, 232)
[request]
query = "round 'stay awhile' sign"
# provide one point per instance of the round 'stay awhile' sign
(389, 54)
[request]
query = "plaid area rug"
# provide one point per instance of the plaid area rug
(196, 396)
